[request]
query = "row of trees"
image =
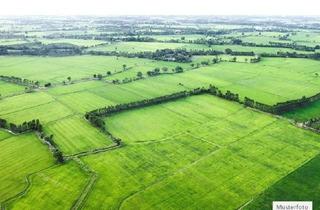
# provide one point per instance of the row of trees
(39, 49)
(19, 81)
(36, 126)
(282, 107)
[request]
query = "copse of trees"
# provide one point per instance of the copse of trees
(36, 126)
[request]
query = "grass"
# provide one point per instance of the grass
(46, 113)
(4, 135)
(20, 155)
(260, 81)
(79, 42)
(73, 135)
(7, 89)
(133, 47)
(54, 188)
(300, 185)
(23, 102)
(57, 69)
(195, 153)
(84, 101)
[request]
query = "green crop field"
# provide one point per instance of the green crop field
(20, 156)
(95, 114)
(79, 42)
(7, 89)
(57, 69)
(74, 134)
(57, 187)
(190, 153)
(146, 46)
(302, 184)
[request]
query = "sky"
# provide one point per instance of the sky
(159, 7)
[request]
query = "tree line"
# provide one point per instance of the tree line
(282, 107)
(36, 126)
(19, 81)
(39, 49)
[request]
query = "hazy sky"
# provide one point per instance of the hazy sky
(160, 7)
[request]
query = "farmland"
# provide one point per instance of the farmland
(200, 153)
(158, 113)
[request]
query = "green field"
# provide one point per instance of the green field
(79, 42)
(20, 156)
(190, 156)
(57, 69)
(73, 135)
(133, 47)
(123, 132)
(260, 81)
(57, 187)
(7, 89)
(302, 184)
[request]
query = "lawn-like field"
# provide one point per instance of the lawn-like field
(270, 81)
(57, 69)
(23, 102)
(144, 46)
(195, 153)
(7, 89)
(153, 46)
(300, 185)
(55, 188)
(46, 113)
(79, 42)
(73, 135)
(20, 156)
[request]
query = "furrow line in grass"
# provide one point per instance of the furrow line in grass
(164, 178)
(61, 102)
(279, 180)
(80, 201)
(25, 190)
(18, 110)
(190, 165)
(65, 117)
(93, 151)
(185, 132)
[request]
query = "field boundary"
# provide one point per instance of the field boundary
(28, 184)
